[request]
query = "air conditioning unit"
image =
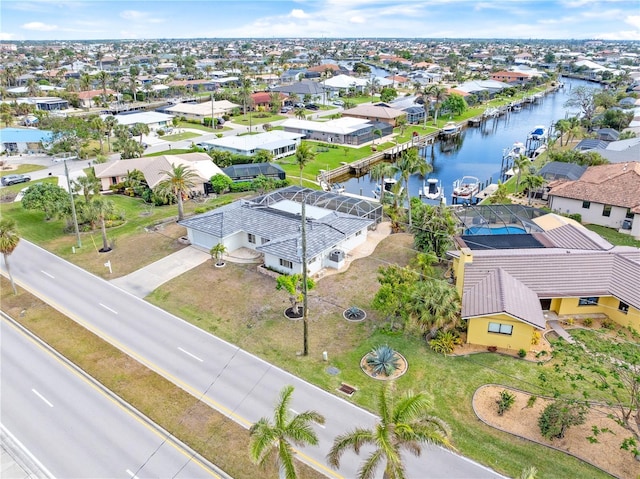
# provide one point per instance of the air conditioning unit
(337, 255)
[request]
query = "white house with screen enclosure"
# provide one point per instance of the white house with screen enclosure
(271, 225)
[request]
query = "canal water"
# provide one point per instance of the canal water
(479, 150)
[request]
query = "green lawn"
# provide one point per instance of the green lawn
(180, 136)
(22, 169)
(255, 120)
(173, 151)
(613, 237)
(196, 126)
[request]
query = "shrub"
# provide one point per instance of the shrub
(382, 360)
(492, 349)
(160, 132)
(535, 337)
(505, 401)
(531, 401)
(608, 323)
(587, 322)
(559, 416)
(445, 342)
(522, 353)
(570, 321)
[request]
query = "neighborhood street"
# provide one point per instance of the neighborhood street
(74, 428)
(229, 379)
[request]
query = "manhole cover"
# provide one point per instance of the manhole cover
(332, 370)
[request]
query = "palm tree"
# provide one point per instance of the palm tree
(531, 183)
(139, 129)
(410, 163)
(273, 439)
(405, 425)
(98, 126)
(103, 79)
(9, 240)
(89, 185)
(109, 124)
(179, 181)
(376, 132)
(304, 154)
(520, 163)
(439, 94)
(103, 208)
(217, 251)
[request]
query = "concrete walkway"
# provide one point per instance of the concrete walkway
(560, 331)
(142, 282)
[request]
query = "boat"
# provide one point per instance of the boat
(431, 189)
(450, 128)
(539, 133)
(465, 188)
(490, 112)
(516, 150)
(389, 184)
(331, 187)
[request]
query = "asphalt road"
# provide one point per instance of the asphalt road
(74, 428)
(231, 380)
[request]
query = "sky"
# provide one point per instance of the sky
(150, 19)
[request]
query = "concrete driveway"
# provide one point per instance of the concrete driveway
(142, 282)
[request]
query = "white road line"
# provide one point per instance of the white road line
(189, 354)
(108, 308)
(42, 397)
(133, 476)
(47, 274)
(297, 413)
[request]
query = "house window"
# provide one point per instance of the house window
(287, 264)
(251, 238)
(606, 211)
(590, 301)
(623, 307)
(264, 240)
(500, 328)
(629, 214)
(358, 233)
(586, 204)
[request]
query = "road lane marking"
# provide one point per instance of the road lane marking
(108, 308)
(47, 274)
(297, 414)
(42, 397)
(133, 476)
(189, 354)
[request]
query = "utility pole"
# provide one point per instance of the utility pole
(73, 205)
(305, 310)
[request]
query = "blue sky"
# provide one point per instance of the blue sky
(119, 19)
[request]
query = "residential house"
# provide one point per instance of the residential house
(88, 98)
(346, 130)
(277, 142)
(606, 195)
(512, 78)
(270, 225)
(510, 284)
(154, 167)
(312, 90)
(23, 140)
(375, 113)
(154, 120)
(262, 100)
(200, 111)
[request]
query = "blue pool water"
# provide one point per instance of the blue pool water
(495, 230)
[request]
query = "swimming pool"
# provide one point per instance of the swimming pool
(495, 230)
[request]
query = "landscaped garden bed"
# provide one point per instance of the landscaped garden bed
(522, 420)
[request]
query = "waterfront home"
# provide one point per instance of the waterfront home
(606, 195)
(510, 284)
(250, 171)
(153, 119)
(23, 140)
(380, 113)
(270, 225)
(277, 142)
(346, 130)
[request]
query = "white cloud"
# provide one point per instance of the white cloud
(298, 13)
(633, 20)
(39, 26)
(133, 15)
(357, 19)
(6, 36)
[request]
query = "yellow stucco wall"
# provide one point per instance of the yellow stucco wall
(606, 305)
(520, 338)
(466, 256)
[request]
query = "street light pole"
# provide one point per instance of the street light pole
(73, 205)
(305, 310)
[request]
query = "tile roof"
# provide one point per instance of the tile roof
(282, 229)
(499, 292)
(615, 184)
(373, 111)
